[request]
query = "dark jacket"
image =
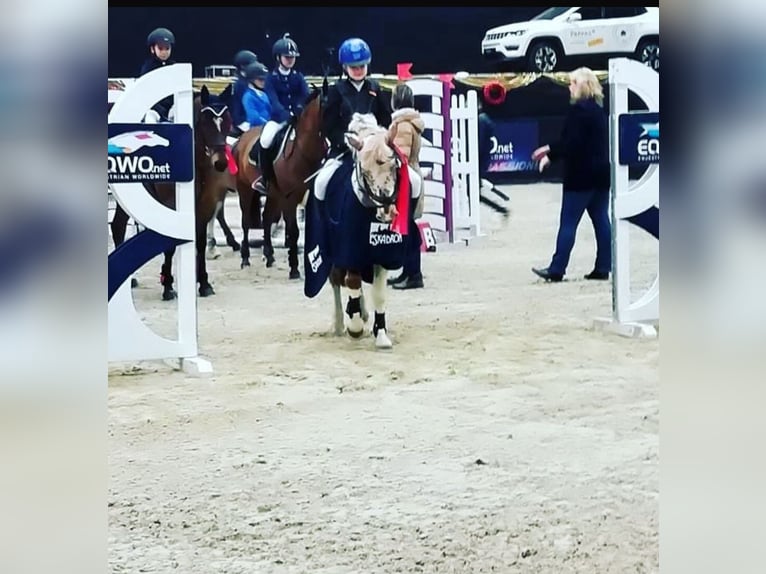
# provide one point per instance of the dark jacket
(287, 93)
(584, 147)
(343, 100)
(150, 64)
(236, 108)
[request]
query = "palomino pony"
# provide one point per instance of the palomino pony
(212, 178)
(355, 226)
(297, 159)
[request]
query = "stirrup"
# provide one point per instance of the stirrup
(259, 185)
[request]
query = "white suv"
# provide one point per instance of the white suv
(544, 41)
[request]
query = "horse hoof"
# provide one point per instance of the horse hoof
(169, 295)
(206, 291)
(355, 334)
(295, 274)
(213, 253)
(234, 246)
(245, 263)
(133, 283)
(382, 341)
(270, 262)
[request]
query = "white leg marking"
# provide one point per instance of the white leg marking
(382, 341)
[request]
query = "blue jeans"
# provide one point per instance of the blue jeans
(573, 204)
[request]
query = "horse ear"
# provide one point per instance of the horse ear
(204, 95)
(353, 141)
(226, 94)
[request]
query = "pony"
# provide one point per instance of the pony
(212, 179)
(355, 227)
(299, 155)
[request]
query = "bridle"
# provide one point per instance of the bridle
(217, 112)
(378, 200)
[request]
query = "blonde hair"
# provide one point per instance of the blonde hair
(587, 85)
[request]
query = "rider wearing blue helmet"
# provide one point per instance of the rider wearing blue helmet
(353, 93)
(288, 92)
(242, 59)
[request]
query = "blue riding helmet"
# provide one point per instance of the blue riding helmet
(243, 58)
(255, 71)
(354, 52)
(285, 46)
(160, 35)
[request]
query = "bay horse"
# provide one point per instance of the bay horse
(212, 178)
(298, 158)
(355, 224)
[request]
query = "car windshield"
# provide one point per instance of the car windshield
(551, 13)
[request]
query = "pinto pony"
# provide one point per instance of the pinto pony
(355, 227)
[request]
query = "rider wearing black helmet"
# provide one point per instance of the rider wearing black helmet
(160, 43)
(242, 60)
(288, 91)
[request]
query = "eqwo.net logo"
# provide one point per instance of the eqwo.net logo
(648, 146)
(122, 147)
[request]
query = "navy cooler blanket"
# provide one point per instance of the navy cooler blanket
(340, 231)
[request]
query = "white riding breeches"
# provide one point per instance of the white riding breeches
(323, 177)
(268, 132)
(332, 165)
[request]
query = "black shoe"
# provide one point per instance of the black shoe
(394, 280)
(547, 275)
(597, 275)
(415, 282)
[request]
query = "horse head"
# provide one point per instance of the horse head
(212, 121)
(376, 164)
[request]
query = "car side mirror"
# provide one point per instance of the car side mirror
(575, 17)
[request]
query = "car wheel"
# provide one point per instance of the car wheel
(544, 57)
(648, 53)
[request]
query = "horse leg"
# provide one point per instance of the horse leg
(205, 288)
(354, 305)
(496, 206)
(212, 252)
(246, 198)
(166, 276)
(363, 304)
(269, 213)
(338, 315)
(292, 233)
(379, 330)
(231, 241)
(119, 226)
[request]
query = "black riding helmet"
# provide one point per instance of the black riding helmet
(242, 59)
(285, 46)
(255, 71)
(160, 35)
